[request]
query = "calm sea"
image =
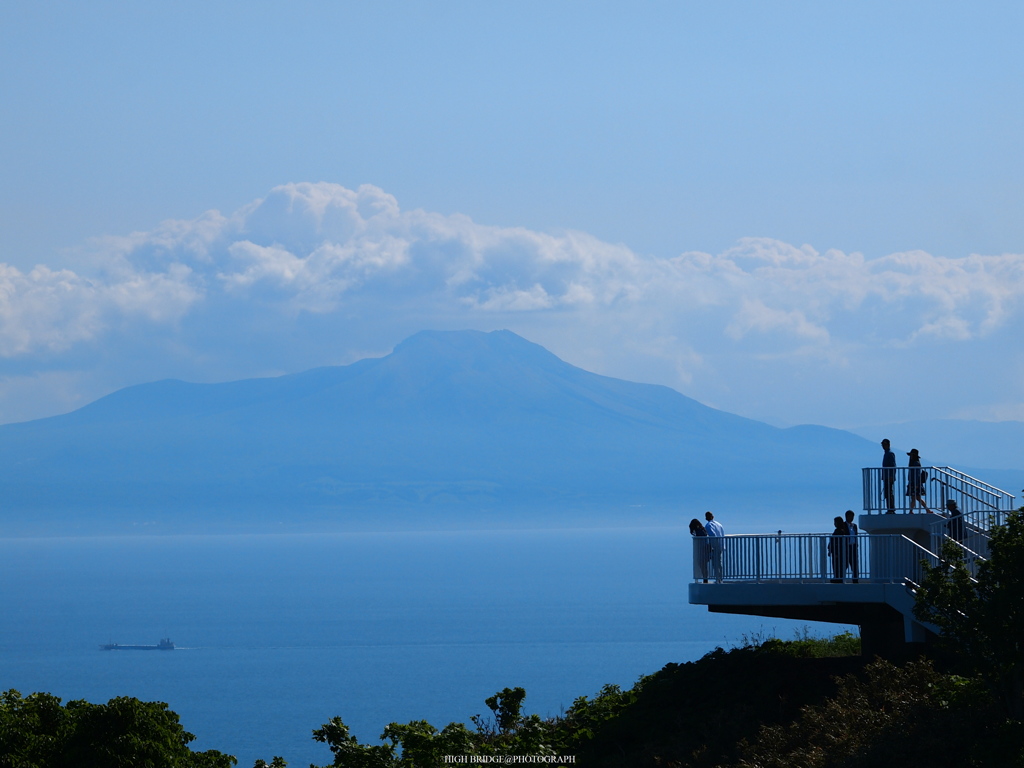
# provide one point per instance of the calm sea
(280, 633)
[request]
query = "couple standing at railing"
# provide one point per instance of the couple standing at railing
(844, 548)
(709, 546)
(916, 478)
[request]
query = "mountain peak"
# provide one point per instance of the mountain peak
(482, 418)
(468, 343)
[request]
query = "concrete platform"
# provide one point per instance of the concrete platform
(884, 612)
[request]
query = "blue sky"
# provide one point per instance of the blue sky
(800, 212)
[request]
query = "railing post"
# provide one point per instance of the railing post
(779, 569)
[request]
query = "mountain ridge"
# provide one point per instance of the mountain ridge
(453, 419)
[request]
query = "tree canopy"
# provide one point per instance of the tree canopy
(982, 617)
(37, 731)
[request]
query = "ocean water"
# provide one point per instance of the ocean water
(279, 633)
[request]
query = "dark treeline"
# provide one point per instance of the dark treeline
(807, 702)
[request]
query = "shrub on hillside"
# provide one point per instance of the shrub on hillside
(893, 716)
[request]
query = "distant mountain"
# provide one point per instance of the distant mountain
(448, 419)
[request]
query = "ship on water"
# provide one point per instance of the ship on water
(165, 644)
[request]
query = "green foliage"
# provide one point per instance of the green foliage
(348, 752)
(807, 702)
(983, 620)
(418, 744)
(506, 706)
(689, 714)
(807, 646)
(423, 745)
(893, 716)
(695, 714)
(33, 729)
(586, 716)
(37, 732)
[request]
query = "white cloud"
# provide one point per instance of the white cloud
(52, 310)
(754, 315)
(310, 247)
(513, 300)
(772, 285)
(354, 259)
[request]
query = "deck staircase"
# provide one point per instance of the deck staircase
(794, 575)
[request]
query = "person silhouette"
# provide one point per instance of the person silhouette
(853, 547)
(888, 477)
(837, 546)
(701, 554)
(955, 526)
(915, 480)
(716, 544)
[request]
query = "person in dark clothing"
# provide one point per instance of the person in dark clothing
(888, 477)
(837, 549)
(955, 526)
(853, 548)
(701, 551)
(915, 480)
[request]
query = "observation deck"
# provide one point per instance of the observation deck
(868, 579)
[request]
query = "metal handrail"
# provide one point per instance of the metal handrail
(970, 537)
(973, 481)
(902, 490)
(809, 558)
(988, 499)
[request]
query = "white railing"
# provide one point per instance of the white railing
(897, 488)
(970, 534)
(808, 558)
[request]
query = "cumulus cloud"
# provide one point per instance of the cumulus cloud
(318, 250)
(313, 247)
(53, 309)
(774, 286)
(754, 315)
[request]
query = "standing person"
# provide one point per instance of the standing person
(700, 548)
(888, 477)
(915, 480)
(837, 545)
(716, 543)
(853, 548)
(955, 526)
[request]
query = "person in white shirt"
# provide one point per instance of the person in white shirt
(716, 544)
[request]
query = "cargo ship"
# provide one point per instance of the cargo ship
(165, 644)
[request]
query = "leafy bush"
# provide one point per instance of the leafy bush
(892, 716)
(686, 714)
(36, 731)
(804, 645)
(982, 620)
